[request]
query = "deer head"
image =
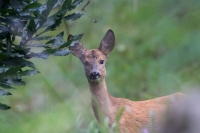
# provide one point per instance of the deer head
(94, 60)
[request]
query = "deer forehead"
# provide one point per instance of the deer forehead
(94, 54)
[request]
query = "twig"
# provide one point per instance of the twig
(66, 27)
(93, 20)
(83, 9)
(88, 2)
(36, 36)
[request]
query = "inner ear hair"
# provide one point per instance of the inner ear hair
(108, 42)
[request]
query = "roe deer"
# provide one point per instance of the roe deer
(135, 116)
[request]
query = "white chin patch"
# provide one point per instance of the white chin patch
(95, 80)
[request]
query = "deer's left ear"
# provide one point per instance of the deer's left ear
(77, 50)
(107, 43)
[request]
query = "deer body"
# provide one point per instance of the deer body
(136, 114)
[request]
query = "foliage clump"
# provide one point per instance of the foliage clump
(23, 23)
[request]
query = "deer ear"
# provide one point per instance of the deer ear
(107, 43)
(77, 50)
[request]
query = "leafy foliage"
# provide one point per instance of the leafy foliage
(28, 20)
(73, 16)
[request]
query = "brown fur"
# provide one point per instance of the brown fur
(136, 115)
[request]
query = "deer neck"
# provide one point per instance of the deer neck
(101, 98)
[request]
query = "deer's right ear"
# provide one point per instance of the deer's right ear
(107, 43)
(77, 50)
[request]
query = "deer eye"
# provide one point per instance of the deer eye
(86, 63)
(101, 61)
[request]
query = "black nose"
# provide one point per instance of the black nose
(94, 75)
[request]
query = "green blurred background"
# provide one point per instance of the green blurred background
(157, 53)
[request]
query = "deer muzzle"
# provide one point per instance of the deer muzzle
(94, 76)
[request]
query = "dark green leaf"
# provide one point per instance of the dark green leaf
(59, 2)
(27, 73)
(18, 24)
(68, 8)
(66, 44)
(4, 106)
(16, 4)
(62, 52)
(41, 9)
(12, 70)
(40, 38)
(2, 45)
(66, 3)
(50, 41)
(15, 55)
(63, 11)
(32, 7)
(58, 40)
(3, 56)
(49, 22)
(77, 2)
(3, 28)
(72, 41)
(21, 50)
(13, 38)
(15, 82)
(4, 86)
(76, 39)
(32, 26)
(58, 21)
(18, 62)
(50, 4)
(4, 35)
(4, 92)
(49, 51)
(21, 62)
(27, 63)
(7, 21)
(4, 69)
(73, 16)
